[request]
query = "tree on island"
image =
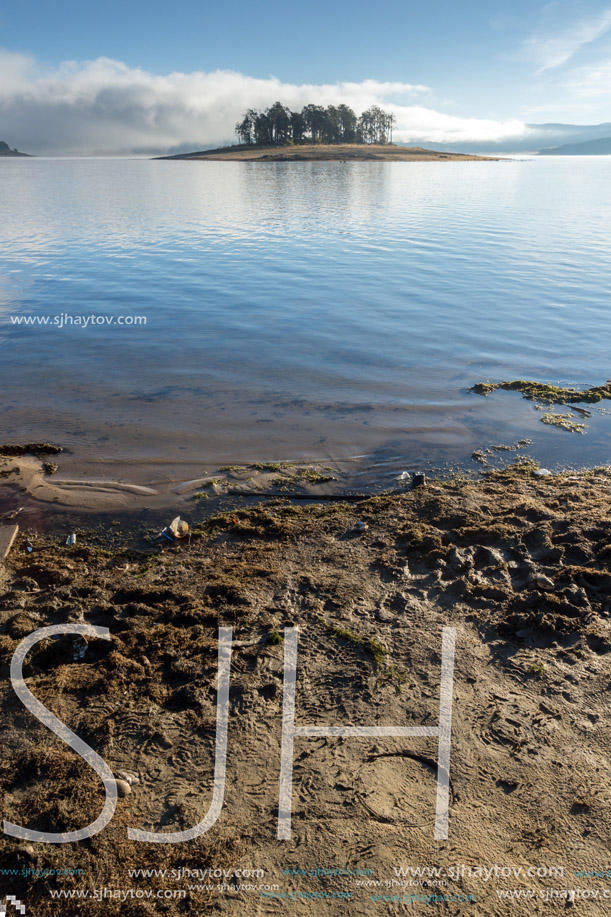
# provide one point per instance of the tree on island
(279, 126)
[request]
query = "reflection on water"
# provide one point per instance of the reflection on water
(301, 309)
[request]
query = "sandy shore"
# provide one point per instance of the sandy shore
(65, 483)
(347, 152)
(517, 563)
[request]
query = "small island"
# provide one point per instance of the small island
(6, 151)
(331, 134)
(330, 153)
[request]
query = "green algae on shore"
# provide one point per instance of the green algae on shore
(544, 392)
(290, 474)
(37, 449)
(484, 455)
(563, 422)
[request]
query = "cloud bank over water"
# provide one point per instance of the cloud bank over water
(105, 107)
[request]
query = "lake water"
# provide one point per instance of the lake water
(301, 310)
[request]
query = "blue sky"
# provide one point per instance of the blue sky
(307, 42)
(494, 62)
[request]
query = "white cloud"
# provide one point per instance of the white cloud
(550, 51)
(15, 72)
(417, 124)
(105, 107)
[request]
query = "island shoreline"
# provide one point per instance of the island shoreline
(342, 152)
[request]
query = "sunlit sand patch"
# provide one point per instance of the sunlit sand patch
(28, 474)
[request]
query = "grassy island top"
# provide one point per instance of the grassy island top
(329, 152)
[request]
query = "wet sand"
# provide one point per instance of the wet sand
(85, 485)
(517, 562)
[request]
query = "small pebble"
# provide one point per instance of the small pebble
(544, 582)
(361, 526)
(542, 472)
(128, 777)
(123, 788)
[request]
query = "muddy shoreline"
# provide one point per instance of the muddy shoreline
(517, 562)
(46, 485)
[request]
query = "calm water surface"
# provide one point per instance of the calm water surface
(302, 310)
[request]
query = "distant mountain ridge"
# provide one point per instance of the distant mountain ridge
(537, 137)
(5, 150)
(601, 147)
